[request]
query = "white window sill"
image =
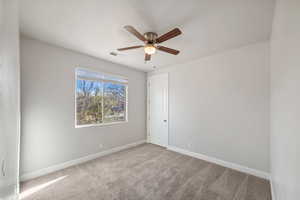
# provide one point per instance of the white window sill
(102, 124)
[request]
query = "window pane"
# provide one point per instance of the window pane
(89, 102)
(114, 102)
(86, 74)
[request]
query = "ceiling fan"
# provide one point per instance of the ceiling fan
(151, 41)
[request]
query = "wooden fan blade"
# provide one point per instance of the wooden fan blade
(173, 33)
(137, 34)
(168, 50)
(128, 48)
(147, 57)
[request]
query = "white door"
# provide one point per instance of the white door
(158, 114)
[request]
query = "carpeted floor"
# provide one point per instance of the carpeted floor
(146, 172)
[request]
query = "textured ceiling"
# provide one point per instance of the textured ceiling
(95, 27)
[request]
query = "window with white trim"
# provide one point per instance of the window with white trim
(100, 98)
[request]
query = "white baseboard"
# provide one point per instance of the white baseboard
(223, 163)
(42, 172)
(272, 189)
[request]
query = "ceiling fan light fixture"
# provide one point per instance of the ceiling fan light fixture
(151, 41)
(149, 49)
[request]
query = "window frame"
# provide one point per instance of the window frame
(100, 124)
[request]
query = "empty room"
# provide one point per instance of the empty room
(149, 100)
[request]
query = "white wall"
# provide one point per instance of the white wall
(49, 136)
(9, 96)
(219, 106)
(285, 100)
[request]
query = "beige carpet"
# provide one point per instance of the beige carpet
(147, 172)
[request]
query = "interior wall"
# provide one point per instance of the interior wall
(9, 97)
(219, 106)
(285, 100)
(49, 136)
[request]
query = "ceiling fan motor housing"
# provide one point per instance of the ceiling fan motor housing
(150, 37)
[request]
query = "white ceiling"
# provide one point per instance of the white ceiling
(95, 27)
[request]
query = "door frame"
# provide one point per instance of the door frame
(148, 108)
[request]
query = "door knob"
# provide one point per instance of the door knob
(165, 120)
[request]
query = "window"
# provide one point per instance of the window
(100, 98)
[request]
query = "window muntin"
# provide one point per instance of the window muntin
(100, 98)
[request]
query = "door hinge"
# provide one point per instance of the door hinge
(3, 168)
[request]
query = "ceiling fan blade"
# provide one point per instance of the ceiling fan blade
(137, 34)
(168, 50)
(128, 48)
(147, 57)
(173, 33)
